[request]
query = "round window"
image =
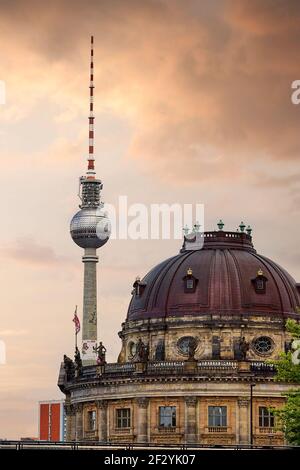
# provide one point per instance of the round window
(263, 345)
(186, 344)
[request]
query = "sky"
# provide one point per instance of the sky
(192, 105)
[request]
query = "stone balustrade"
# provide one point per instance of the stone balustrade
(150, 368)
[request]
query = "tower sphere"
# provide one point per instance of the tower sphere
(90, 227)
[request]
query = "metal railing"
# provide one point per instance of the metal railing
(76, 445)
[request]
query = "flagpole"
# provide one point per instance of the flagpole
(75, 331)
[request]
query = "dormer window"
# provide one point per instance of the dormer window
(190, 282)
(138, 287)
(259, 282)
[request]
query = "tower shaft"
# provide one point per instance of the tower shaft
(89, 321)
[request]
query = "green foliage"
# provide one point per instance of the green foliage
(289, 416)
(293, 328)
(287, 371)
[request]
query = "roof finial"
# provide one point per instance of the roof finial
(220, 225)
(91, 159)
(196, 227)
(185, 230)
(242, 227)
(249, 230)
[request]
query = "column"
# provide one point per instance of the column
(142, 408)
(243, 404)
(190, 420)
(89, 320)
(102, 420)
(70, 422)
(78, 422)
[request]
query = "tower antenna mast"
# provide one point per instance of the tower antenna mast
(91, 159)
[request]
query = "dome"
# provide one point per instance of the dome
(229, 278)
(90, 228)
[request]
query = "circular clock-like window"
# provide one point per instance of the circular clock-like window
(263, 345)
(186, 343)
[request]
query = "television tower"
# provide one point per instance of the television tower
(90, 229)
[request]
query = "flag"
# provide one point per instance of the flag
(76, 322)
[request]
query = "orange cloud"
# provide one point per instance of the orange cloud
(204, 89)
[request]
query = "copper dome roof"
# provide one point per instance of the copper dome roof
(224, 270)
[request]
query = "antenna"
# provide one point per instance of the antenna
(91, 160)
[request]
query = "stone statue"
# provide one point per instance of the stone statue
(243, 348)
(192, 349)
(101, 351)
(142, 352)
(69, 367)
(78, 361)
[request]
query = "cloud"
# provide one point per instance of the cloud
(287, 181)
(29, 251)
(187, 78)
(10, 332)
(265, 18)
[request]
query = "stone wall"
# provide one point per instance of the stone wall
(191, 427)
(225, 330)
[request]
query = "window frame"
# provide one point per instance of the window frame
(187, 340)
(190, 283)
(266, 418)
(91, 420)
(163, 415)
(213, 416)
(122, 421)
(263, 339)
(260, 283)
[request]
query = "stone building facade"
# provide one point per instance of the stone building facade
(193, 367)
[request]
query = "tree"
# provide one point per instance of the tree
(289, 417)
(288, 370)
